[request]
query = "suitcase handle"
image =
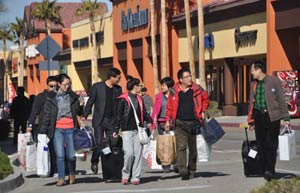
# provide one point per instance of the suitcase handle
(247, 139)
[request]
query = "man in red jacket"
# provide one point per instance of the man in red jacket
(186, 106)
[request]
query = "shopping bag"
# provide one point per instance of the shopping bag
(287, 144)
(31, 155)
(166, 149)
(21, 155)
(43, 156)
(84, 139)
(203, 149)
(149, 153)
(212, 131)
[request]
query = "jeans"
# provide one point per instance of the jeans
(64, 137)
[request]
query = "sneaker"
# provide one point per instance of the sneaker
(124, 181)
(135, 182)
(55, 175)
(94, 168)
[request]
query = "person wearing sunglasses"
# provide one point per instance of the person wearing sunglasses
(36, 116)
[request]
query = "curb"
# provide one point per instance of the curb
(14, 180)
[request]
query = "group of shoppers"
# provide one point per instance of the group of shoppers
(180, 107)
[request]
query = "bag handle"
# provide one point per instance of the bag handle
(247, 139)
(286, 128)
(135, 114)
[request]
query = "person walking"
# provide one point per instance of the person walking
(159, 110)
(148, 101)
(126, 123)
(36, 116)
(20, 110)
(266, 109)
(60, 119)
(186, 105)
(103, 96)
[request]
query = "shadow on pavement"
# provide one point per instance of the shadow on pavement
(280, 175)
(84, 180)
(210, 174)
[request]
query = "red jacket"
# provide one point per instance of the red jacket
(201, 101)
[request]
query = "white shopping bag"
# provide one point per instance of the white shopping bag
(149, 153)
(43, 156)
(31, 153)
(203, 149)
(22, 142)
(287, 144)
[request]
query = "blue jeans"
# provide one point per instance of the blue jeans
(61, 137)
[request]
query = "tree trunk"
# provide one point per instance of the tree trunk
(5, 82)
(153, 47)
(21, 67)
(189, 38)
(202, 76)
(94, 65)
(163, 35)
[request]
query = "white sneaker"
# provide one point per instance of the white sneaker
(55, 175)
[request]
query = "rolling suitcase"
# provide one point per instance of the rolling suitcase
(251, 161)
(112, 159)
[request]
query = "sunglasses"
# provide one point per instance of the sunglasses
(52, 86)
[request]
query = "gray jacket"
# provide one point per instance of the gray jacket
(275, 100)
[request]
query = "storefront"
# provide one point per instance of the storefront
(235, 36)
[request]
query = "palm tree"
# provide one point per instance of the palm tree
(189, 38)
(163, 35)
(20, 32)
(47, 11)
(201, 45)
(5, 34)
(153, 47)
(93, 9)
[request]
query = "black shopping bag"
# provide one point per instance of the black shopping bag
(212, 131)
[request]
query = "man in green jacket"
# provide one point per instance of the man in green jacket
(266, 109)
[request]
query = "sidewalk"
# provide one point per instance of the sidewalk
(235, 121)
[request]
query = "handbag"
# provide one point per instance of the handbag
(287, 143)
(84, 139)
(31, 154)
(212, 131)
(142, 132)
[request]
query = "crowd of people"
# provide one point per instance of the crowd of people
(179, 107)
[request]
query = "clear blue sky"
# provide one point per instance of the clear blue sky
(15, 8)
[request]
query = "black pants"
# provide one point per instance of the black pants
(266, 133)
(106, 126)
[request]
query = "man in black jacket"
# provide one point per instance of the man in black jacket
(36, 112)
(104, 96)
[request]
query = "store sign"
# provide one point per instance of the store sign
(134, 20)
(244, 37)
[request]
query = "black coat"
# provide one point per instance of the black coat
(50, 113)
(20, 108)
(125, 114)
(38, 107)
(97, 97)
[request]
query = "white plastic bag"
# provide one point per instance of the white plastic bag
(21, 155)
(43, 157)
(31, 154)
(203, 149)
(287, 144)
(149, 153)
